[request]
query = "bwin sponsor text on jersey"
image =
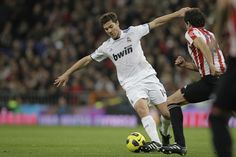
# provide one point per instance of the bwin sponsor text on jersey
(127, 50)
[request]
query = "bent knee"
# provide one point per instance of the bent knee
(166, 115)
(142, 110)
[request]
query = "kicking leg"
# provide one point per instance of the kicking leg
(176, 116)
(141, 107)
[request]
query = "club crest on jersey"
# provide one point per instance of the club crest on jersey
(127, 50)
(128, 39)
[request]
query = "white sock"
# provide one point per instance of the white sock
(150, 126)
(165, 124)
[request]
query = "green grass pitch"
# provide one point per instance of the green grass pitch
(60, 141)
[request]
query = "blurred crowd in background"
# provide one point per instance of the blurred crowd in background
(40, 39)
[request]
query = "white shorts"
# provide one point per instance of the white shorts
(149, 88)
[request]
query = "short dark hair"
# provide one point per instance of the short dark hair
(107, 17)
(195, 17)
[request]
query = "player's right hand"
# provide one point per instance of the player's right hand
(61, 80)
(183, 11)
(214, 71)
(180, 61)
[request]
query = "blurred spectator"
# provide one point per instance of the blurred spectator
(40, 39)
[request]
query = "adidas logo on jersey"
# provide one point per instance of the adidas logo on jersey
(127, 50)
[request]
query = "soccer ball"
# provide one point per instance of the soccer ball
(134, 141)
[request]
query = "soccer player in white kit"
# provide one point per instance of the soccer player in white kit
(135, 74)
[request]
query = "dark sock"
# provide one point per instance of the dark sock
(221, 136)
(177, 123)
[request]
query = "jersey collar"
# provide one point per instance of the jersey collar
(121, 36)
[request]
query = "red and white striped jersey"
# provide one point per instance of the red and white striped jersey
(232, 30)
(196, 54)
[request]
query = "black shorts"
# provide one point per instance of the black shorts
(200, 90)
(226, 91)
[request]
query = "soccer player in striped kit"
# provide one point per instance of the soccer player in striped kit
(225, 101)
(208, 60)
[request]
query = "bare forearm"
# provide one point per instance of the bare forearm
(79, 65)
(163, 19)
(190, 66)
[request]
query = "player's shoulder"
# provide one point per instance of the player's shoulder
(106, 43)
(138, 26)
(193, 31)
(132, 29)
(127, 30)
(187, 33)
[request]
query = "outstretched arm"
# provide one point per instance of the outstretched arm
(62, 80)
(166, 18)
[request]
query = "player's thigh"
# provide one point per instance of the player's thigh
(156, 93)
(198, 91)
(139, 100)
(135, 93)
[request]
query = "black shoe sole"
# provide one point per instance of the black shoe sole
(170, 152)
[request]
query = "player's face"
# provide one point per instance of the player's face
(112, 29)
